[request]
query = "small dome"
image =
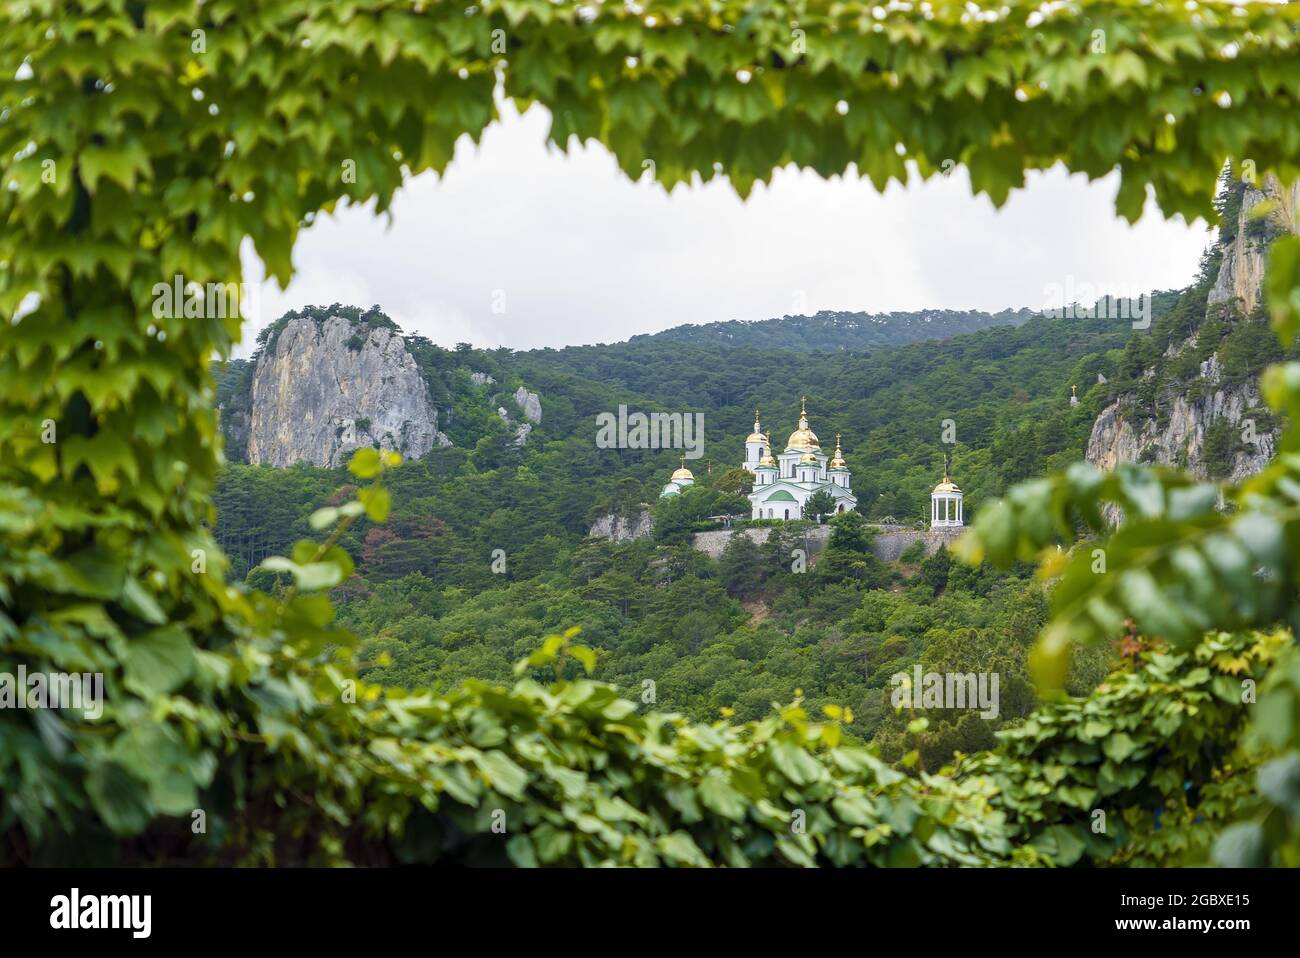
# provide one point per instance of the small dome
(807, 457)
(838, 462)
(682, 473)
(767, 462)
(757, 437)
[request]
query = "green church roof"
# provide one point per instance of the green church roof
(780, 496)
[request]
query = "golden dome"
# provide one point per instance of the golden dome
(947, 485)
(803, 437)
(838, 462)
(757, 435)
(808, 457)
(768, 461)
(682, 473)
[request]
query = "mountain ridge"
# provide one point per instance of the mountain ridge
(840, 329)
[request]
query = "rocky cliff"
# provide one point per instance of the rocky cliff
(530, 405)
(324, 388)
(1241, 277)
(621, 528)
(1120, 436)
(1178, 434)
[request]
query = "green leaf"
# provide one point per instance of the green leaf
(584, 655)
(1119, 747)
(796, 764)
(158, 662)
(311, 577)
(376, 501)
(520, 850)
(323, 518)
(1062, 843)
(119, 798)
(365, 463)
(504, 775)
(552, 843)
(717, 795)
(121, 162)
(141, 604)
(1279, 782)
(680, 849)
(1282, 287)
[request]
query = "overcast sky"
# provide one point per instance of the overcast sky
(521, 245)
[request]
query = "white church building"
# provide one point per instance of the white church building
(784, 483)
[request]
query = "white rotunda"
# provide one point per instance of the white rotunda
(945, 504)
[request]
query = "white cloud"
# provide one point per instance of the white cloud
(579, 254)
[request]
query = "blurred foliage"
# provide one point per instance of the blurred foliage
(1156, 749)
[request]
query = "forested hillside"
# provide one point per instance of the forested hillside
(1005, 390)
(485, 545)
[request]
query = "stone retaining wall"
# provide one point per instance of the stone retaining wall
(890, 541)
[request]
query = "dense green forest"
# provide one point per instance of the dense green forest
(486, 548)
(1001, 388)
(728, 638)
(1004, 392)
